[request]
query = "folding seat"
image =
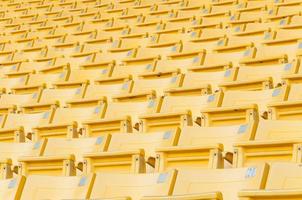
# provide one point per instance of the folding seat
(6, 84)
(232, 47)
(11, 151)
(148, 86)
(252, 31)
(283, 182)
(207, 147)
(245, 15)
(129, 152)
(196, 82)
(287, 109)
(64, 155)
(40, 80)
(57, 187)
(136, 63)
(64, 122)
(264, 56)
(293, 23)
(252, 78)
(94, 93)
(274, 141)
(292, 72)
(238, 107)
(207, 38)
(12, 102)
(282, 12)
(127, 43)
(216, 184)
(80, 78)
(119, 116)
(12, 188)
(15, 126)
(132, 186)
(285, 39)
(52, 98)
(175, 111)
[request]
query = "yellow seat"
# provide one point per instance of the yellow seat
(55, 187)
(176, 111)
(11, 189)
(283, 182)
(65, 121)
(287, 109)
(203, 147)
(15, 127)
(11, 102)
(149, 85)
(119, 117)
(51, 98)
(252, 78)
(207, 37)
(10, 152)
(39, 81)
(216, 184)
(132, 186)
(275, 141)
(239, 107)
(94, 93)
(61, 156)
(129, 152)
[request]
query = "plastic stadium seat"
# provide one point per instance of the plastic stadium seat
(37, 81)
(203, 147)
(56, 187)
(144, 86)
(272, 139)
(176, 111)
(216, 184)
(288, 109)
(119, 117)
(10, 152)
(12, 188)
(94, 93)
(63, 122)
(16, 126)
(252, 78)
(61, 156)
(51, 98)
(128, 152)
(239, 107)
(283, 182)
(132, 186)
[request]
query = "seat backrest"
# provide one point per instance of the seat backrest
(14, 150)
(147, 141)
(227, 181)
(278, 130)
(75, 146)
(261, 98)
(83, 75)
(295, 92)
(157, 83)
(104, 89)
(39, 79)
(133, 109)
(284, 176)
(226, 135)
(27, 121)
(78, 114)
(184, 103)
(11, 189)
(18, 99)
(107, 185)
(57, 187)
(61, 95)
